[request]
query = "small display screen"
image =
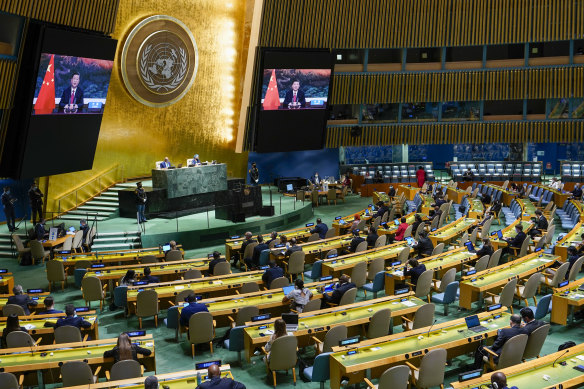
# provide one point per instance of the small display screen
(82, 309)
(261, 317)
(326, 278)
(348, 341)
(204, 365)
(309, 224)
(166, 247)
(133, 334)
(31, 291)
(98, 265)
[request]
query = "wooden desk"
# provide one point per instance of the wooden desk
(233, 245)
(566, 300)
(497, 277)
(510, 233)
(35, 325)
(441, 263)
(378, 354)
(43, 364)
(527, 209)
(456, 194)
(392, 228)
(380, 196)
(408, 190)
(529, 374)
(51, 244)
(451, 231)
(6, 282)
(570, 239)
(340, 229)
(477, 209)
(317, 323)
(316, 250)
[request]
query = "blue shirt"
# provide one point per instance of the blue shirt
(190, 310)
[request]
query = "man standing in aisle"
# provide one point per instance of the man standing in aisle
(254, 174)
(36, 202)
(8, 205)
(140, 194)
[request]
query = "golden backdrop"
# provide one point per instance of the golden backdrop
(203, 121)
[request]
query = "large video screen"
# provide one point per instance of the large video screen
(295, 88)
(292, 103)
(71, 85)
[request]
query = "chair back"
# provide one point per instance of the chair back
(312, 305)
(321, 368)
(331, 252)
(174, 255)
(447, 279)
(543, 307)
(403, 255)
(376, 222)
(331, 233)
(361, 247)
(273, 243)
(36, 249)
(524, 247)
(222, 268)
(92, 288)
(379, 324)
(439, 249)
(244, 314)
(535, 342)
(408, 232)
(248, 252)
(391, 215)
(296, 262)
(8, 381)
(236, 339)
(473, 235)
(396, 377)
(361, 225)
(495, 258)
(77, 240)
(316, 270)
(83, 264)
(531, 286)
(181, 297)
(424, 284)
(313, 237)
(13, 309)
(575, 270)
(313, 197)
(279, 283)
(482, 263)
(450, 291)
(385, 217)
(420, 228)
(359, 274)
(486, 228)
(55, 271)
(507, 293)
(124, 370)
(17, 339)
(434, 223)
(512, 351)
(121, 296)
(464, 239)
(332, 338)
(68, 244)
(348, 297)
(375, 266)
(201, 328)
(147, 303)
(67, 334)
(560, 275)
(76, 373)
(249, 287)
(424, 316)
(432, 369)
(18, 242)
(192, 274)
(331, 194)
(381, 241)
(283, 353)
(148, 259)
(299, 195)
(550, 234)
(264, 257)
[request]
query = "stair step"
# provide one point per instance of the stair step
(5, 254)
(70, 216)
(118, 233)
(90, 207)
(100, 203)
(106, 199)
(109, 193)
(115, 246)
(5, 246)
(122, 239)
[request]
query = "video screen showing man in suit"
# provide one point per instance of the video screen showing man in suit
(295, 89)
(72, 97)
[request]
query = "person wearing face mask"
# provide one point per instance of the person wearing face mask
(8, 205)
(40, 231)
(140, 195)
(36, 202)
(85, 228)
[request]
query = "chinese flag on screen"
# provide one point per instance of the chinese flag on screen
(46, 99)
(272, 99)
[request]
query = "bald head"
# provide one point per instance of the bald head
(499, 379)
(344, 279)
(214, 371)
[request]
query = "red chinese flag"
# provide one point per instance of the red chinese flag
(272, 99)
(45, 102)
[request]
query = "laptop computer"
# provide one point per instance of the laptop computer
(470, 247)
(473, 324)
(287, 289)
(291, 320)
(410, 240)
(499, 234)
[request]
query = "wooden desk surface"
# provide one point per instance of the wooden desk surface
(317, 249)
(452, 230)
(571, 238)
(510, 233)
(54, 243)
(35, 325)
(565, 300)
(392, 228)
(6, 282)
(408, 190)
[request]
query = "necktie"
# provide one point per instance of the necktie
(294, 98)
(72, 99)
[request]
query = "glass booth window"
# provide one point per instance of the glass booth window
(379, 113)
(419, 112)
(461, 110)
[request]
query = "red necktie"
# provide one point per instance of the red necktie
(72, 97)
(294, 98)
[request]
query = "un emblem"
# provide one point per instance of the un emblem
(159, 61)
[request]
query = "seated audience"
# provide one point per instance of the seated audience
(273, 272)
(293, 247)
(125, 350)
(173, 247)
(334, 297)
(503, 335)
(424, 246)
(401, 229)
(72, 319)
(148, 277)
(439, 201)
(12, 324)
(40, 232)
(577, 191)
(381, 209)
(85, 228)
(468, 175)
(129, 278)
(486, 249)
(417, 221)
(216, 382)
(436, 213)
(529, 322)
(415, 271)
(372, 237)
(486, 199)
(21, 299)
(391, 191)
(517, 241)
(254, 261)
(355, 224)
(49, 306)
(284, 241)
(378, 177)
(355, 241)
(216, 259)
(192, 308)
(299, 297)
(320, 228)
(541, 224)
(273, 237)
(248, 239)
(499, 381)
(347, 181)
(279, 331)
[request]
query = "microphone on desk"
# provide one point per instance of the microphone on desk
(435, 320)
(565, 352)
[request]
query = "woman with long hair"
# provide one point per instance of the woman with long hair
(129, 278)
(279, 331)
(12, 324)
(126, 350)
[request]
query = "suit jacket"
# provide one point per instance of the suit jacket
(355, 242)
(151, 279)
(299, 98)
(35, 196)
(245, 243)
(257, 251)
(391, 192)
(503, 335)
(271, 274)
(213, 263)
(23, 300)
(371, 239)
(190, 310)
(164, 165)
(542, 223)
(518, 240)
(485, 250)
(40, 231)
(338, 292)
(49, 312)
(381, 211)
(115, 353)
(6, 201)
(75, 321)
(221, 383)
(320, 229)
(528, 328)
(424, 246)
(293, 249)
(415, 272)
(577, 192)
(66, 96)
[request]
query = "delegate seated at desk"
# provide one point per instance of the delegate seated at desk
(273, 272)
(320, 228)
(39, 230)
(72, 319)
(517, 241)
(216, 382)
(21, 299)
(355, 241)
(196, 161)
(216, 259)
(148, 277)
(415, 271)
(293, 247)
(372, 237)
(165, 164)
(12, 324)
(125, 350)
(424, 246)
(298, 297)
(49, 306)
(192, 308)
(334, 297)
(503, 335)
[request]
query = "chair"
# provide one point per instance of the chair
(244, 314)
(447, 278)
(299, 195)
(313, 237)
(396, 377)
(448, 296)
(264, 257)
(535, 342)
(320, 370)
(552, 280)
(148, 259)
(511, 353)
(528, 290)
(377, 285)
(279, 283)
(124, 370)
(408, 232)
(182, 296)
(201, 330)
(193, 274)
(316, 272)
(486, 228)
(375, 267)
(331, 339)
(331, 195)
(17, 339)
(76, 245)
(576, 268)
(13, 309)
(376, 222)
(331, 233)
(20, 247)
(222, 268)
(121, 297)
(482, 263)
(249, 287)
(361, 247)
(312, 305)
(83, 264)
(380, 324)
(174, 255)
(93, 291)
(381, 241)
(473, 236)
(68, 334)
(9, 381)
(543, 307)
(403, 255)
(147, 305)
(348, 297)
(38, 252)
(331, 252)
(495, 258)
(423, 317)
(295, 264)
(521, 252)
(282, 356)
(424, 286)
(56, 273)
(505, 298)
(235, 341)
(431, 370)
(439, 249)
(77, 373)
(359, 274)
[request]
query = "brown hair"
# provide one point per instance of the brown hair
(124, 347)
(279, 328)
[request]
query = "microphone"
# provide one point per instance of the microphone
(435, 320)
(565, 352)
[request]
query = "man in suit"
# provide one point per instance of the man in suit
(254, 174)
(424, 246)
(503, 335)
(254, 261)
(381, 209)
(148, 277)
(273, 237)
(372, 237)
(21, 299)
(36, 202)
(49, 306)
(436, 215)
(8, 205)
(165, 164)
(216, 259)
(40, 231)
(192, 308)
(517, 241)
(294, 97)
(541, 224)
(391, 191)
(415, 271)
(140, 196)
(85, 228)
(293, 247)
(248, 239)
(196, 160)
(216, 382)
(72, 319)
(335, 296)
(316, 179)
(272, 273)
(530, 324)
(577, 191)
(72, 97)
(355, 241)
(320, 228)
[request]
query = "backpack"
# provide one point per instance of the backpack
(566, 345)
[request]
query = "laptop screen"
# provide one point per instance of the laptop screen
(472, 321)
(410, 240)
(290, 318)
(328, 288)
(469, 246)
(499, 234)
(396, 221)
(289, 188)
(288, 289)
(166, 247)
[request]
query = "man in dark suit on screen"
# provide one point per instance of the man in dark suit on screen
(294, 96)
(72, 97)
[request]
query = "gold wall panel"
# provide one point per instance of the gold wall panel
(136, 136)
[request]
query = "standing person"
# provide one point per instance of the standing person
(125, 350)
(216, 382)
(316, 179)
(36, 202)
(140, 195)
(254, 174)
(320, 228)
(421, 176)
(8, 204)
(347, 181)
